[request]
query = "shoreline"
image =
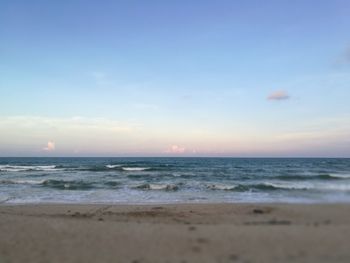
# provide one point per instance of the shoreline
(183, 204)
(311, 203)
(248, 232)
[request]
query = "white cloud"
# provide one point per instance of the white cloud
(176, 149)
(50, 146)
(279, 95)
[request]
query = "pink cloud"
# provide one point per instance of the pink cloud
(279, 95)
(50, 146)
(176, 149)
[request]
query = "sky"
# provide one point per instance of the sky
(175, 78)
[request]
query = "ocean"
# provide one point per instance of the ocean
(173, 180)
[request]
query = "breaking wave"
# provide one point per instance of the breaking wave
(112, 166)
(136, 169)
(23, 168)
(221, 187)
(312, 177)
(268, 186)
(340, 176)
(166, 187)
(31, 182)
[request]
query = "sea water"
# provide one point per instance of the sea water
(173, 180)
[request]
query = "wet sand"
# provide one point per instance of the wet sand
(175, 233)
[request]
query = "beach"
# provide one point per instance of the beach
(174, 131)
(175, 233)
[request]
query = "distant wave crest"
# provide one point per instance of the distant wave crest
(22, 168)
(136, 168)
(112, 166)
(312, 177)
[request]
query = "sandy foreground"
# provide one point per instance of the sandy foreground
(175, 233)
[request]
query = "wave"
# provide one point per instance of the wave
(112, 184)
(335, 187)
(312, 177)
(23, 168)
(112, 166)
(266, 186)
(31, 182)
(340, 176)
(64, 184)
(282, 186)
(91, 168)
(271, 186)
(135, 168)
(166, 187)
(68, 185)
(221, 187)
(97, 168)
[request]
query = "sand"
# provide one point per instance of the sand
(175, 233)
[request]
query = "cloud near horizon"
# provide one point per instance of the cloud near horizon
(176, 149)
(79, 136)
(26, 134)
(50, 146)
(279, 95)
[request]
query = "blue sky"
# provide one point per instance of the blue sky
(174, 78)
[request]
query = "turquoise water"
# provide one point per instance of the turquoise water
(173, 180)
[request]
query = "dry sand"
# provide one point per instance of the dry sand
(175, 233)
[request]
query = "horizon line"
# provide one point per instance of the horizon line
(198, 157)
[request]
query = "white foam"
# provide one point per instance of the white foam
(168, 187)
(291, 186)
(221, 187)
(310, 186)
(163, 187)
(21, 168)
(334, 187)
(343, 176)
(135, 168)
(111, 166)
